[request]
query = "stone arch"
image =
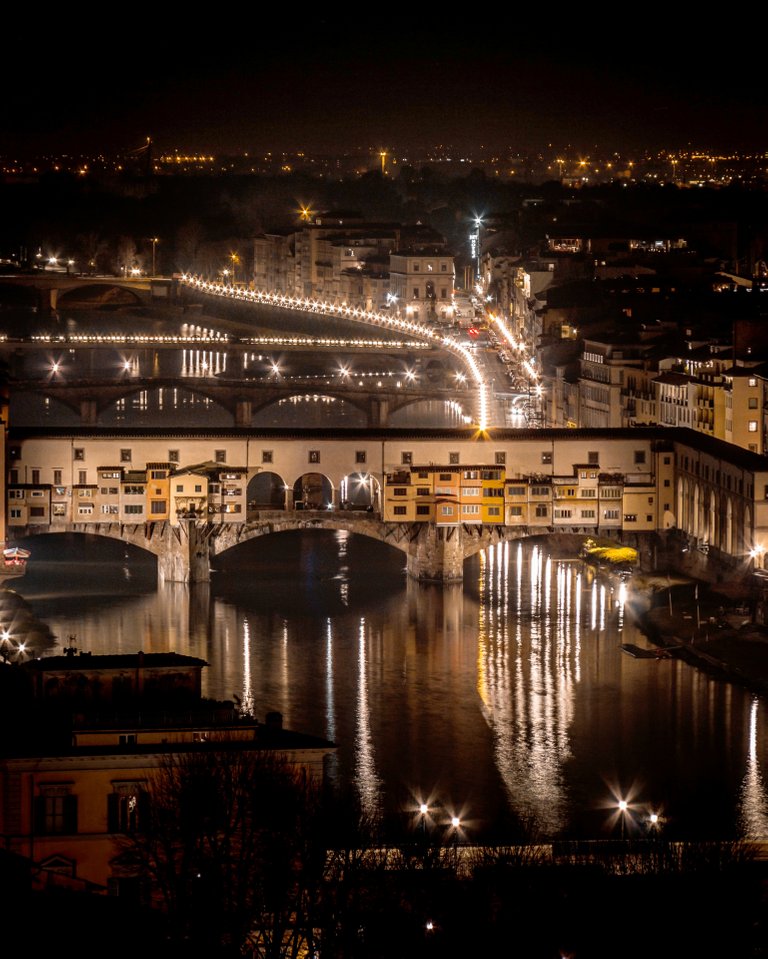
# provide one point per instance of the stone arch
(696, 518)
(297, 409)
(109, 296)
(314, 491)
(745, 534)
(187, 397)
(266, 490)
(360, 490)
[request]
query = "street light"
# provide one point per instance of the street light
(154, 242)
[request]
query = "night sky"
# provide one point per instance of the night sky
(381, 76)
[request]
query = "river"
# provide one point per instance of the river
(506, 701)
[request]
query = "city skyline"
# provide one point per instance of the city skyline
(326, 85)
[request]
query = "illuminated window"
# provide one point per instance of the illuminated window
(752, 426)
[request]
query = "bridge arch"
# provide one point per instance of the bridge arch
(296, 409)
(102, 296)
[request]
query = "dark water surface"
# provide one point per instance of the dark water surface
(506, 701)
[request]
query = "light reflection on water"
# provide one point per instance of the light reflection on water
(508, 697)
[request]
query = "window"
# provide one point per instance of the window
(516, 490)
(109, 509)
(542, 510)
(85, 510)
(179, 487)
(133, 509)
(158, 506)
(157, 474)
(446, 477)
(513, 510)
(314, 456)
(443, 267)
(400, 510)
(406, 458)
(648, 518)
(752, 428)
(36, 494)
(593, 458)
(360, 456)
(500, 458)
(266, 456)
(639, 457)
(415, 292)
(666, 482)
(422, 510)
(471, 491)
(630, 518)
(546, 458)
(35, 477)
(667, 460)
(539, 491)
(13, 476)
(752, 402)
(562, 514)
(220, 456)
(15, 513)
(198, 488)
(611, 514)
(470, 509)
(108, 490)
(494, 511)
(446, 511)
(37, 511)
(56, 810)
(589, 493)
(752, 381)
(492, 491)
(453, 459)
(587, 514)
(19, 493)
(126, 806)
(59, 509)
(125, 456)
(423, 491)
(173, 456)
(400, 491)
(78, 453)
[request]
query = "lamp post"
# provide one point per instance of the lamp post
(154, 241)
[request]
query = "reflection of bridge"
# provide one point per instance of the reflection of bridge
(187, 552)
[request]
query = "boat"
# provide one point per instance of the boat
(14, 562)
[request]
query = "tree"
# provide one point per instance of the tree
(231, 850)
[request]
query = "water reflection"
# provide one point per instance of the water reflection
(506, 697)
(753, 811)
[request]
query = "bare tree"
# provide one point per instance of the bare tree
(230, 846)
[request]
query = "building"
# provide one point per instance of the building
(80, 773)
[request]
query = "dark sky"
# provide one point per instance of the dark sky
(382, 76)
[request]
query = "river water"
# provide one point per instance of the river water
(506, 701)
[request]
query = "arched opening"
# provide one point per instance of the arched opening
(696, 524)
(266, 491)
(152, 408)
(360, 491)
(98, 295)
(425, 414)
(729, 526)
(310, 409)
(313, 491)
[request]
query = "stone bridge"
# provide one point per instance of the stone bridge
(54, 290)
(242, 397)
(186, 553)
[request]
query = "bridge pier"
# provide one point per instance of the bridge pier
(185, 557)
(378, 411)
(89, 412)
(243, 412)
(436, 555)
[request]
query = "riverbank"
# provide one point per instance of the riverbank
(710, 625)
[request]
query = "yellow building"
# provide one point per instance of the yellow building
(71, 792)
